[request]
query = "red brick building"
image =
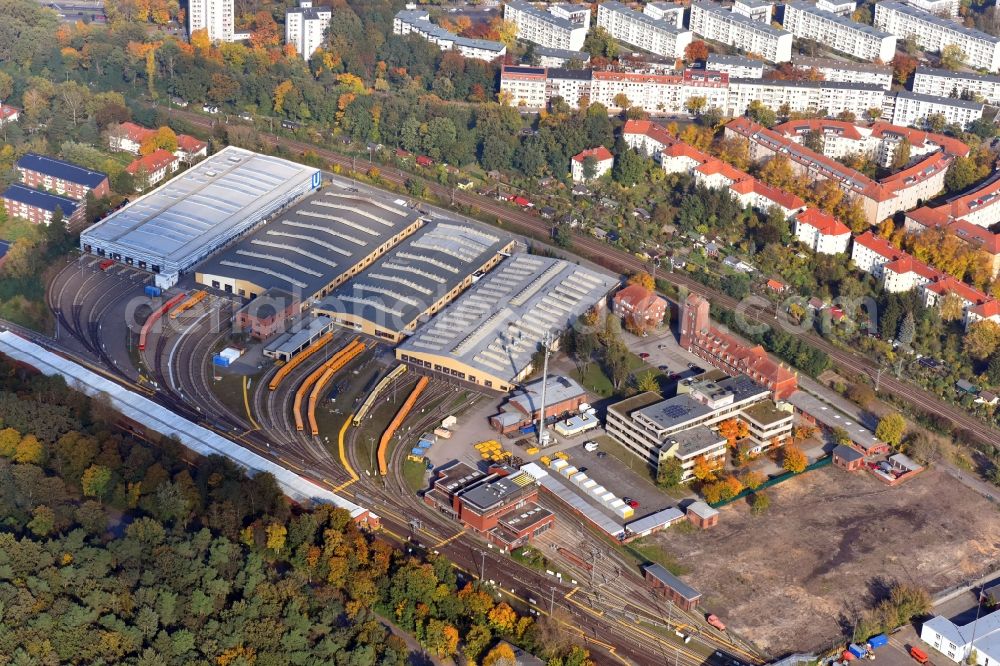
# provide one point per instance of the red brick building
(502, 506)
(848, 458)
(563, 397)
(702, 515)
(672, 587)
(639, 307)
(65, 178)
(267, 314)
(38, 207)
(727, 353)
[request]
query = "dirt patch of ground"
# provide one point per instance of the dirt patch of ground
(787, 580)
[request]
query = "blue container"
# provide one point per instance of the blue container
(220, 361)
(528, 429)
(152, 291)
(417, 451)
(857, 651)
(877, 641)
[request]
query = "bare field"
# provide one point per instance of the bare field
(787, 579)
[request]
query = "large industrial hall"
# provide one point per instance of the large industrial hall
(417, 278)
(172, 228)
(488, 336)
(314, 247)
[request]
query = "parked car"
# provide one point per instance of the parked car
(664, 368)
(246, 116)
(714, 620)
(919, 655)
(643, 355)
(633, 503)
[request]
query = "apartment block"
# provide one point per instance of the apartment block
(909, 108)
(659, 36)
(737, 67)
(933, 33)
(804, 96)
(821, 232)
(215, 17)
(839, 7)
(559, 57)
(665, 11)
(947, 8)
(755, 10)
(713, 22)
(843, 71)
(61, 177)
(305, 27)
(945, 83)
(561, 27)
(38, 207)
(839, 33)
(418, 22)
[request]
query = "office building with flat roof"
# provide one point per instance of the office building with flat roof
(312, 248)
(416, 279)
(490, 334)
(180, 223)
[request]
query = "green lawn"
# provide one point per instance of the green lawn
(16, 228)
(655, 552)
(597, 382)
(414, 474)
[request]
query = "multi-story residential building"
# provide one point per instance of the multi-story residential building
(933, 33)
(878, 199)
(659, 93)
(639, 306)
(946, 8)
(737, 67)
(844, 71)
(685, 426)
(659, 36)
(976, 642)
(945, 83)
(215, 17)
(839, 33)
(839, 7)
(879, 141)
(804, 96)
(711, 21)
(305, 27)
(560, 57)
(665, 11)
(66, 178)
(602, 158)
(755, 10)
(561, 27)
(870, 253)
(128, 137)
(418, 22)
(38, 207)
(909, 108)
(526, 87)
(821, 232)
(647, 138)
(150, 169)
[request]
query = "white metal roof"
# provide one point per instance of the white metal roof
(160, 419)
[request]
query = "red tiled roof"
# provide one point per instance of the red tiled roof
(601, 154)
(878, 245)
(684, 150)
(975, 234)
(152, 163)
(990, 308)
(637, 297)
(647, 128)
(136, 133)
(716, 166)
(947, 284)
(8, 111)
(799, 127)
(907, 264)
(987, 195)
(825, 223)
(928, 217)
(775, 285)
(784, 199)
(919, 138)
(189, 144)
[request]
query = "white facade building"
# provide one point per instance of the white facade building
(665, 11)
(559, 57)
(713, 22)
(939, 7)
(870, 253)
(603, 161)
(839, 7)
(737, 67)
(822, 233)
(933, 33)
(804, 96)
(659, 36)
(560, 28)
(843, 71)
(957, 643)
(215, 16)
(907, 108)
(945, 83)
(838, 32)
(418, 22)
(305, 27)
(755, 10)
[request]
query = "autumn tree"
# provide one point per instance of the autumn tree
(753, 480)
(952, 57)
(669, 472)
(981, 339)
(793, 460)
(643, 279)
(890, 428)
(903, 66)
(501, 655)
(96, 481)
(704, 469)
(760, 503)
(696, 51)
(29, 450)
(264, 34)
